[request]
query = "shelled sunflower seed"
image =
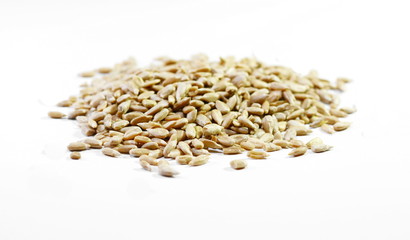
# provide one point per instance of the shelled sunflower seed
(185, 109)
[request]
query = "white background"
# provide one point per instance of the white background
(359, 190)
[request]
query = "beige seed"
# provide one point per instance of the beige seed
(257, 154)
(184, 147)
(247, 145)
(75, 155)
(137, 152)
(340, 126)
(111, 152)
(145, 165)
(94, 143)
(78, 146)
(56, 115)
(149, 159)
(271, 147)
(348, 110)
(198, 161)
(318, 148)
(327, 128)
(232, 150)
(298, 151)
(184, 159)
(238, 164)
(226, 141)
(197, 144)
(87, 74)
(210, 144)
(158, 132)
(212, 130)
(167, 171)
(314, 141)
(222, 107)
(104, 70)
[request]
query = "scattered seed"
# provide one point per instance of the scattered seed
(75, 155)
(56, 115)
(238, 164)
(318, 148)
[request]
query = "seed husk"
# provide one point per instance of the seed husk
(238, 164)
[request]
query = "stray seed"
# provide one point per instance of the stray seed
(340, 126)
(238, 164)
(56, 115)
(318, 148)
(75, 155)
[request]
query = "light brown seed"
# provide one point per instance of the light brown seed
(318, 148)
(87, 74)
(212, 130)
(196, 143)
(158, 132)
(56, 115)
(327, 128)
(232, 150)
(226, 141)
(257, 154)
(340, 126)
(111, 152)
(298, 151)
(247, 145)
(184, 159)
(94, 143)
(167, 171)
(78, 146)
(314, 141)
(198, 161)
(149, 159)
(75, 155)
(238, 164)
(184, 147)
(145, 165)
(271, 147)
(137, 152)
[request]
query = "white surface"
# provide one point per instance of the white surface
(359, 190)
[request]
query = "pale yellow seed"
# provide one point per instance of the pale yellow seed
(318, 148)
(257, 154)
(145, 165)
(298, 151)
(56, 115)
(340, 126)
(198, 161)
(238, 164)
(78, 146)
(111, 152)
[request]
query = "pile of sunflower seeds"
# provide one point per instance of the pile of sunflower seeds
(185, 109)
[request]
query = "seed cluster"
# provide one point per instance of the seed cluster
(185, 109)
